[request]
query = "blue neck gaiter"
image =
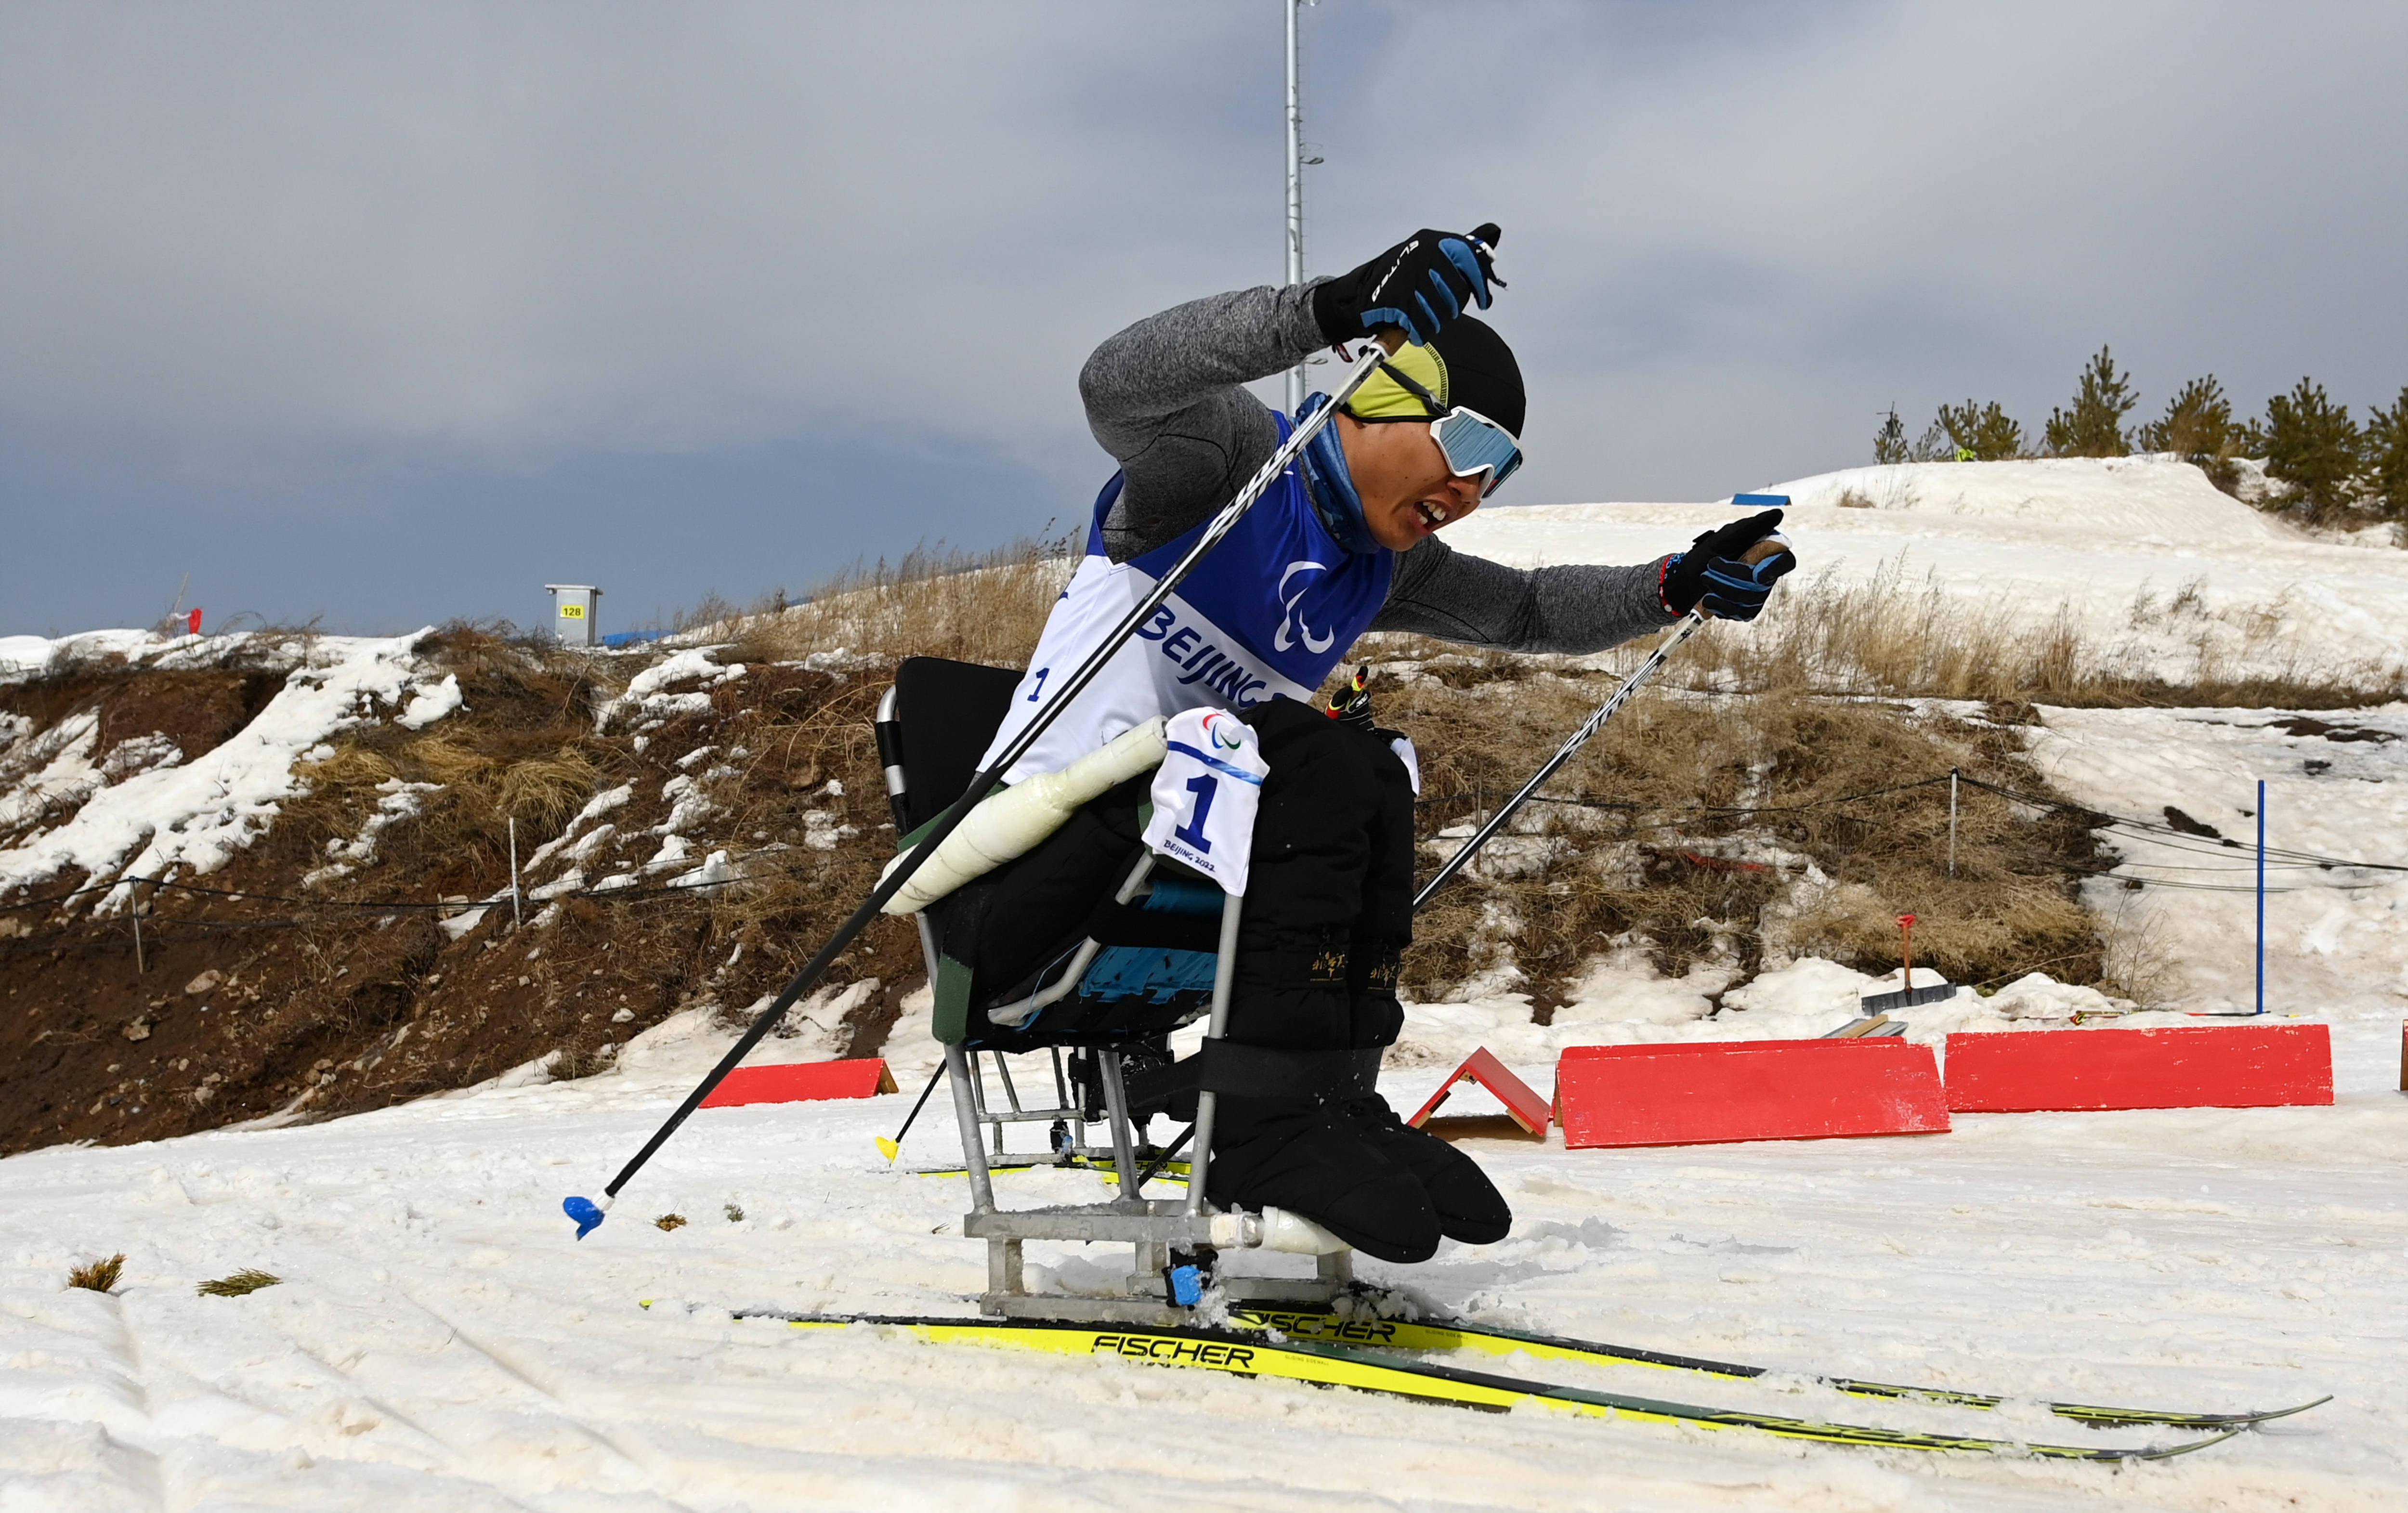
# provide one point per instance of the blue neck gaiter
(1328, 485)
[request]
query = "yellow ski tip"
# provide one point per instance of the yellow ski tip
(889, 1148)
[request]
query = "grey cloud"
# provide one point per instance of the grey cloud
(831, 268)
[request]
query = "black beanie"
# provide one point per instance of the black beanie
(1481, 373)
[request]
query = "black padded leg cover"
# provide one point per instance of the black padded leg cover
(1332, 867)
(1009, 922)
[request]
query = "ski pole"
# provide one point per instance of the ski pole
(891, 1149)
(1686, 627)
(1682, 630)
(584, 1211)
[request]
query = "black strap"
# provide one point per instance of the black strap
(1126, 924)
(1262, 1072)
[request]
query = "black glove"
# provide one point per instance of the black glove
(1419, 284)
(1714, 571)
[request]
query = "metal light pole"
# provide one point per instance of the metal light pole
(1294, 190)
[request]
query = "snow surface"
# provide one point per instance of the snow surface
(2337, 938)
(439, 1341)
(2112, 543)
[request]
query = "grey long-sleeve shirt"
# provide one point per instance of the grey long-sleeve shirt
(1162, 397)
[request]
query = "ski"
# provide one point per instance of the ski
(1455, 1335)
(1323, 1363)
(1172, 1171)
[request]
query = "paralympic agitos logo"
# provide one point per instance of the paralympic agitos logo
(1292, 626)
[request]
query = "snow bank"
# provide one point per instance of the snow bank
(648, 702)
(2143, 553)
(193, 818)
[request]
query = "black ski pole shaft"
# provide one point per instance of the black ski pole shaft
(1630, 685)
(1161, 1160)
(914, 1115)
(945, 823)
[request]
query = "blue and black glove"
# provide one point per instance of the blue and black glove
(1728, 571)
(1419, 284)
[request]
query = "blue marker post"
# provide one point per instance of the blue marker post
(2261, 895)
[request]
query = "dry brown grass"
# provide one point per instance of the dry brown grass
(1891, 637)
(100, 1275)
(241, 1284)
(1680, 788)
(525, 750)
(974, 608)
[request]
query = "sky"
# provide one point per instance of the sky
(379, 316)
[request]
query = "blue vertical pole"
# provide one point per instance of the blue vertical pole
(2261, 895)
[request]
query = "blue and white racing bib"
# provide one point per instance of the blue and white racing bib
(1205, 795)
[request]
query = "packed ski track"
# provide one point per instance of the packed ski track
(438, 1338)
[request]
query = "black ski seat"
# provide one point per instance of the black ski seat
(1140, 964)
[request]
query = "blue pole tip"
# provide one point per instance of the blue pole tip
(587, 1213)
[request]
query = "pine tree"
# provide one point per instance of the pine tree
(2197, 423)
(1889, 442)
(2386, 457)
(1982, 433)
(2313, 446)
(2095, 426)
(2197, 427)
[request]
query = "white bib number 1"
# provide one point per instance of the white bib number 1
(1205, 795)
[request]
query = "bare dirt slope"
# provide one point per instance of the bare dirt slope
(691, 824)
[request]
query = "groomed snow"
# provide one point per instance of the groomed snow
(440, 1342)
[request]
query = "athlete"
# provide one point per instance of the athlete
(1343, 543)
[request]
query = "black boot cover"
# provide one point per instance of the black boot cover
(1316, 1160)
(1464, 1201)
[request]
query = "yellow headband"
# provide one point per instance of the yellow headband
(1382, 398)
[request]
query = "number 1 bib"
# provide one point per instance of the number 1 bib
(1205, 793)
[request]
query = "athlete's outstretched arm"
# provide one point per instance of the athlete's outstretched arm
(1441, 592)
(1162, 397)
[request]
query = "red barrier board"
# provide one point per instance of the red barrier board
(802, 1081)
(1703, 1093)
(1520, 1099)
(2208, 1066)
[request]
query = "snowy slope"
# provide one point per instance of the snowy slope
(160, 815)
(440, 1342)
(2098, 537)
(2336, 786)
